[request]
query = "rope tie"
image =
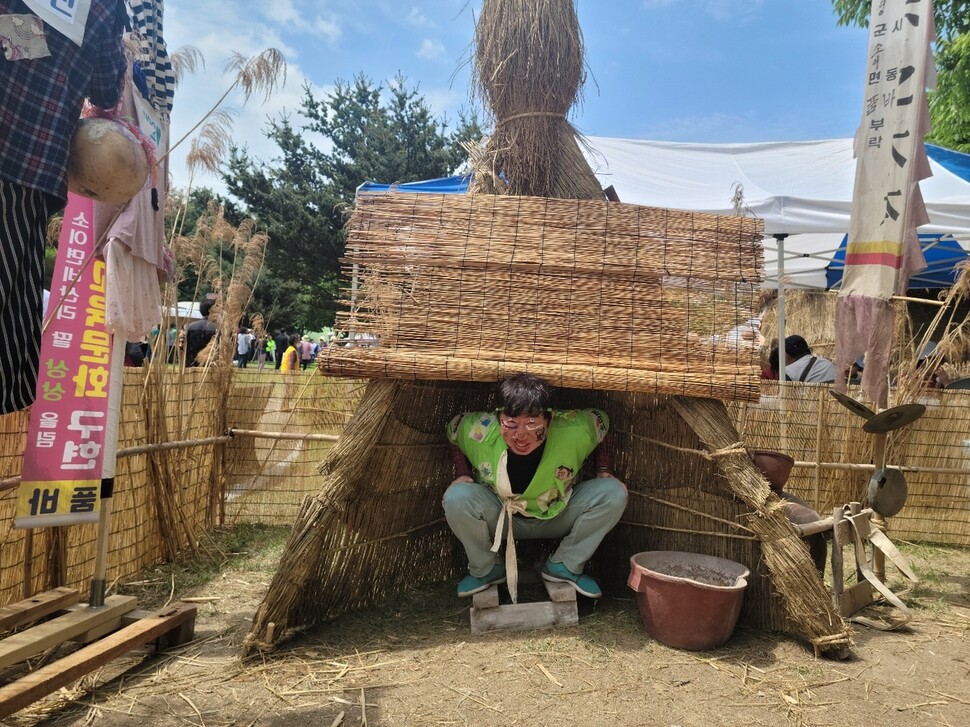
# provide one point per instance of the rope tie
(736, 448)
(506, 120)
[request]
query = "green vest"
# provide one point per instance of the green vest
(573, 434)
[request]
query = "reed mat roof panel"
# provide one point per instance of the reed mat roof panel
(613, 296)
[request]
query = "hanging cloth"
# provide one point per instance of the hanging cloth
(146, 20)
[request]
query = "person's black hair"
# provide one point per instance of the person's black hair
(524, 394)
(773, 362)
(204, 307)
(796, 347)
(293, 340)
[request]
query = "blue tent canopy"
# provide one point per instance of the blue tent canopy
(942, 253)
(442, 185)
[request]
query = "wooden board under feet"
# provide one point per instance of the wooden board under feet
(560, 610)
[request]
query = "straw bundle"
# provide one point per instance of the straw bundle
(809, 607)
(520, 275)
(587, 294)
(529, 70)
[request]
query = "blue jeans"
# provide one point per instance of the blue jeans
(596, 505)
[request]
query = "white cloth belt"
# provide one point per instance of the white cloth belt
(511, 505)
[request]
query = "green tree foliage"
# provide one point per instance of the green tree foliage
(358, 132)
(950, 102)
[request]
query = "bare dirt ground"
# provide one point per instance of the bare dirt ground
(414, 662)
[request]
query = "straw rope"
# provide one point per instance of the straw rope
(530, 114)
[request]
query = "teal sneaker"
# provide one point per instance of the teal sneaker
(559, 573)
(472, 584)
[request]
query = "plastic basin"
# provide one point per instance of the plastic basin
(688, 600)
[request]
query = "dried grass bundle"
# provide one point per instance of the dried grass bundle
(808, 605)
(529, 69)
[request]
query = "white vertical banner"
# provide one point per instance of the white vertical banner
(887, 208)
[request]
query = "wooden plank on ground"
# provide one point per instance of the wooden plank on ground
(28, 689)
(32, 609)
(40, 638)
(524, 616)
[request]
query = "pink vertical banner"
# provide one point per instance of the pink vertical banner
(66, 437)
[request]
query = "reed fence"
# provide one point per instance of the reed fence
(180, 474)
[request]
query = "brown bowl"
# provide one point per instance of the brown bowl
(775, 466)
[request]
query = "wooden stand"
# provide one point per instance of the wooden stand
(859, 595)
(109, 631)
(560, 610)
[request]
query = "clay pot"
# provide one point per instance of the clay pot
(775, 466)
(688, 600)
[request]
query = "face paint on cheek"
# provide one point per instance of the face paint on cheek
(541, 434)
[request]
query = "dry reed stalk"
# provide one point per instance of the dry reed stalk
(793, 574)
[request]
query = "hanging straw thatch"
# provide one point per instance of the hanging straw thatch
(587, 294)
(376, 526)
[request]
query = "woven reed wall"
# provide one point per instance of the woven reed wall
(274, 477)
(161, 500)
(586, 293)
(816, 428)
(267, 479)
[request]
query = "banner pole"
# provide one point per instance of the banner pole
(116, 378)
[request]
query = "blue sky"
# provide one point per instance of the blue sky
(675, 70)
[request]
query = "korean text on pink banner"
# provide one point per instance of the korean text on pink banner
(61, 478)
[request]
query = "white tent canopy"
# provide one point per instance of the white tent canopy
(794, 186)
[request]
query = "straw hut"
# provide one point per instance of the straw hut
(616, 304)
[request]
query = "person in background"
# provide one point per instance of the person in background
(802, 365)
(521, 467)
(44, 78)
(198, 334)
(282, 341)
(306, 352)
(271, 350)
(771, 371)
(170, 341)
(242, 347)
(290, 360)
(261, 352)
(934, 377)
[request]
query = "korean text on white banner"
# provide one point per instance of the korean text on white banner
(883, 248)
(68, 431)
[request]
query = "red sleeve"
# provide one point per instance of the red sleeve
(463, 467)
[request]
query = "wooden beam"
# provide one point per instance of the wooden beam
(35, 608)
(28, 689)
(524, 616)
(40, 638)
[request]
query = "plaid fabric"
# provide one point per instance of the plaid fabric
(40, 99)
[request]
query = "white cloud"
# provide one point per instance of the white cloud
(416, 17)
(329, 28)
(431, 49)
(282, 12)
